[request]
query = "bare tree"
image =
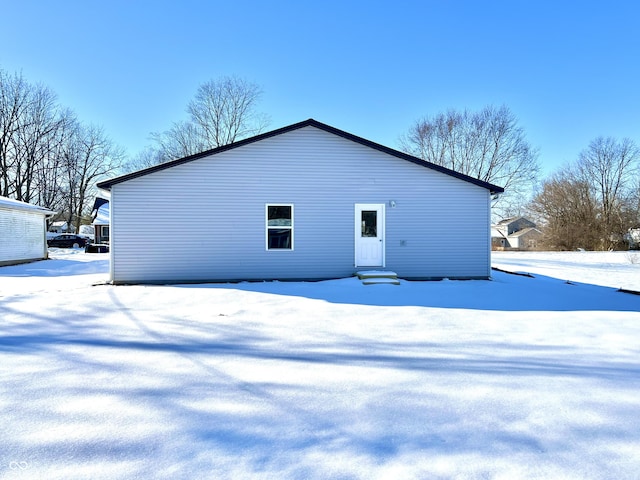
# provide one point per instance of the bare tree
(31, 126)
(14, 100)
(593, 202)
(89, 155)
(634, 202)
(146, 158)
(46, 155)
(181, 140)
(488, 145)
(39, 124)
(610, 166)
(222, 112)
(49, 175)
(568, 211)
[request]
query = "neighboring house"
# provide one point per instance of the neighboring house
(23, 230)
(632, 237)
(101, 220)
(516, 233)
(512, 225)
(525, 239)
(59, 227)
(307, 201)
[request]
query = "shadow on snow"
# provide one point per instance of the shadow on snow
(504, 292)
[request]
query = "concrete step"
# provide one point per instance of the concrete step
(380, 281)
(376, 274)
(378, 277)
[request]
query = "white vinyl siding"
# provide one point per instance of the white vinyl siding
(22, 235)
(212, 212)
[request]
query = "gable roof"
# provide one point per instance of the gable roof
(495, 233)
(102, 215)
(524, 231)
(98, 202)
(508, 221)
(107, 184)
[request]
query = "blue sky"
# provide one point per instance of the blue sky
(569, 71)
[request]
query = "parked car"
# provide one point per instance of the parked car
(67, 240)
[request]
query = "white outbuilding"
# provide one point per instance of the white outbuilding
(23, 228)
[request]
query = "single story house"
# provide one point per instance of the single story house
(303, 202)
(23, 232)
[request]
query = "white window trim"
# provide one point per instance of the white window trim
(266, 230)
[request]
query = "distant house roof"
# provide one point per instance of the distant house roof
(18, 205)
(510, 220)
(507, 221)
(497, 233)
(524, 231)
(98, 202)
(102, 215)
(59, 227)
(106, 185)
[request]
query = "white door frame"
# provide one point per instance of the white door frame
(380, 234)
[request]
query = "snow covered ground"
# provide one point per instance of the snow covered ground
(609, 269)
(517, 377)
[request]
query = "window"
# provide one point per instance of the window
(104, 232)
(279, 227)
(369, 223)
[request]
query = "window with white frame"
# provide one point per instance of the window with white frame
(279, 227)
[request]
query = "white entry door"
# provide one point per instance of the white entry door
(369, 234)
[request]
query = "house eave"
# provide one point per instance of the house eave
(11, 204)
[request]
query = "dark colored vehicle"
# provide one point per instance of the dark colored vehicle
(67, 241)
